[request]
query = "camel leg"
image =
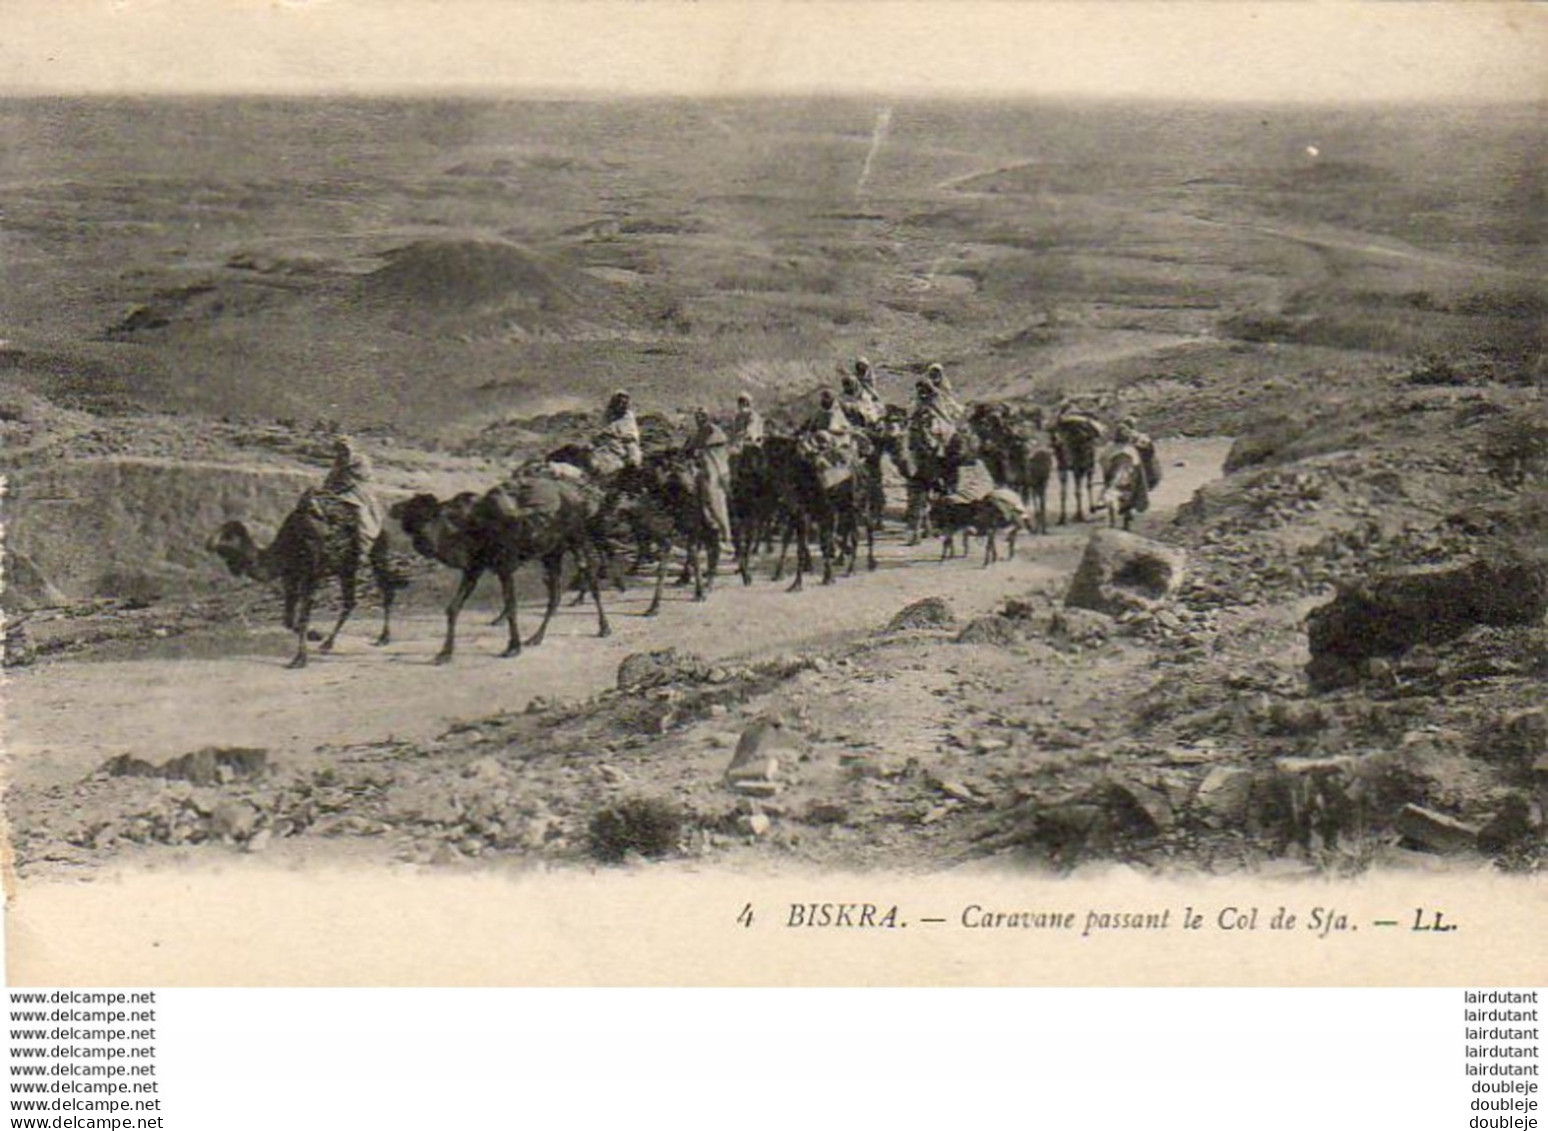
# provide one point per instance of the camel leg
(784, 549)
(465, 589)
(385, 588)
(508, 613)
(655, 601)
(1063, 492)
(694, 571)
(603, 628)
(303, 620)
(743, 542)
(347, 595)
(291, 600)
(553, 578)
(712, 556)
(826, 536)
(803, 557)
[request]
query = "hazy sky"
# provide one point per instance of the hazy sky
(1289, 49)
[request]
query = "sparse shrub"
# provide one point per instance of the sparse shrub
(646, 825)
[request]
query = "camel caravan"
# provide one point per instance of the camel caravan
(608, 508)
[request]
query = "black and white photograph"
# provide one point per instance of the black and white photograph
(576, 444)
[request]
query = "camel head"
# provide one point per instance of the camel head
(234, 546)
(433, 526)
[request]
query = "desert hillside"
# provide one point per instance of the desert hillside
(1336, 339)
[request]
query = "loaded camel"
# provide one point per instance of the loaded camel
(318, 540)
(1075, 438)
(1015, 455)
(500, 531)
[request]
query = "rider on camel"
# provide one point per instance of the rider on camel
(618, 442)
(350, 480)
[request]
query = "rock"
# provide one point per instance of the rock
(641, 670)
(1387, 614)
(1519, 738)
(234, 820)
(931, 612)
(1138, 807)
(1436, 831)
(486, 769)
(259, 840)
(757, 751)
(996, 630)
(826, 813)
(957, 790)
(19, 651)
(759, 824)
(1511, 826)
(1122, 571)
(753, 787)
(1224, 796)
(1079, 626)
(612, 775)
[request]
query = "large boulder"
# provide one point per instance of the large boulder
(1386, 615)
(1122, 572)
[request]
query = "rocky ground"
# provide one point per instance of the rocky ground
(927, 716)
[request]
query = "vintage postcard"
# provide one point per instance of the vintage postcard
(773, 493)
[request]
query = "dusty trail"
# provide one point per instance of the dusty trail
(64, 718)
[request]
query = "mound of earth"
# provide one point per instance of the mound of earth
(459, 274)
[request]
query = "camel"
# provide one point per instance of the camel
(754, 502)
(835, 514)
(660, 506)
(317, 540)
(1000, 510)
(1125, 492)
(500, 531)
(926, 470)
(1015, 456)
(1075, 442)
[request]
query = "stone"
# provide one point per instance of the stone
(1122, 572)
(1436, 831)
(928, 613)
(1079, 626)
(1387, 614)
(485, 769)
(826, 813)
(1511, 825)
(1519, 738)
(1141, 807)
(234, 820)
(959, 791)
(759, 824)
(1224, 796)
(642, 670)
(757, 751)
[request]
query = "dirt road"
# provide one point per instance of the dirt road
(63, 718)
